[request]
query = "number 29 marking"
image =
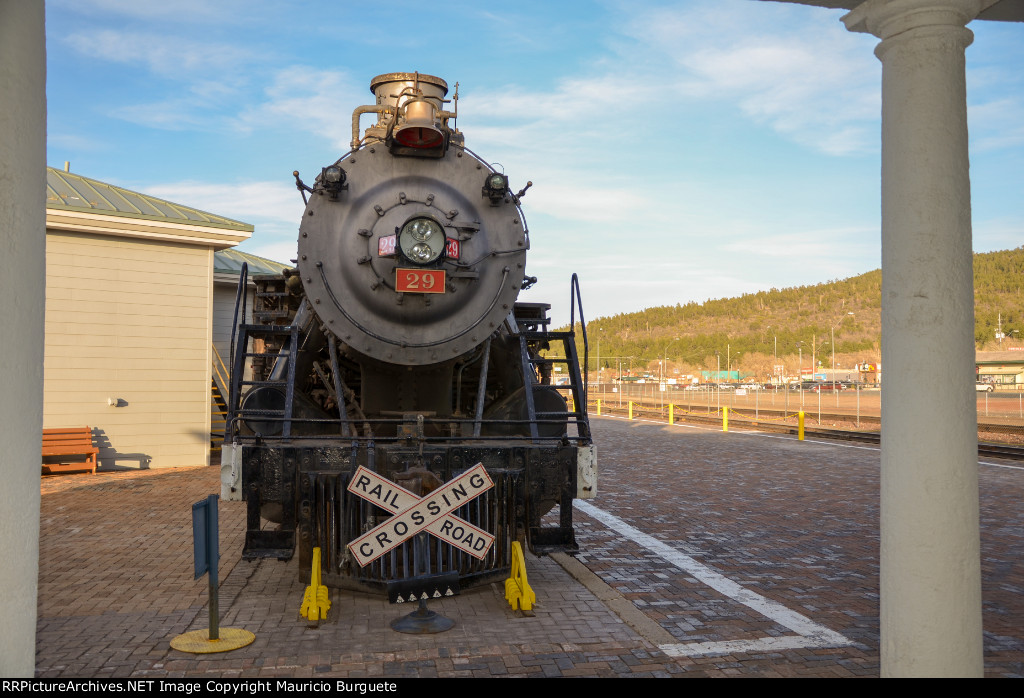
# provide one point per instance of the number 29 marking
(419, 280)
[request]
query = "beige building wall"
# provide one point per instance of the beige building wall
(129, 320)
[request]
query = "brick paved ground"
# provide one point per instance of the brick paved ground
(795, 523)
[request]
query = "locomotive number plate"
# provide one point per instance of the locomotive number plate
(386, 246)
(419, 280)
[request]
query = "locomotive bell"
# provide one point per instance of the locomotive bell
(416, 101)
(421, 128)
(390, 89)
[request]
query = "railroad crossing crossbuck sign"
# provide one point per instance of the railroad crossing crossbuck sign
(412, 514)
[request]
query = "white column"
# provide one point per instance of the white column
(930, 560)
(22, 286)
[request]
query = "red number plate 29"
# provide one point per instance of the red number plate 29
(419, 280)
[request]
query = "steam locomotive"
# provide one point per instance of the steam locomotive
(396, 348)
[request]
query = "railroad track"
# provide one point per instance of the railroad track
(871, 437)
(767, 413)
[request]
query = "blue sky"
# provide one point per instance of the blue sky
(679, 151)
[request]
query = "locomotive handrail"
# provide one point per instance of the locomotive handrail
(271, 416)
(576, 299)
(240, 298)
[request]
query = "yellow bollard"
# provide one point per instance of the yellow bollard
(517, 589)
(599, 407)
(315, 602)
(630, 409)
(725, 419)
(671, 415)
(800, 423)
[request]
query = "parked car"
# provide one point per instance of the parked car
(984, 387)
(827, 387)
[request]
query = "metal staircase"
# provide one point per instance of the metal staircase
(219, 384)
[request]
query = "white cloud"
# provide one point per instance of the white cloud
(268, 201)
(317, 101)
(73, 142)
(801, 73)
(1003, 233)
(996, 124)
(585, 202)
(195, 11)
(171, 115)
(283, 252)
(820, 244)
(272, 208)
(166, 55)
(193, 81)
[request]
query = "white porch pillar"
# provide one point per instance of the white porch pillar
(22, 286)
(930, 559)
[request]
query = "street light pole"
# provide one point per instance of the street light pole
(718, 377)
(833, 340)
(833, 331)
(664, 382)
(800, 371)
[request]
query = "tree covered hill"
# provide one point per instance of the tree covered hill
(788, 326)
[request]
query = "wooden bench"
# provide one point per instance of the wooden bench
(60, 445)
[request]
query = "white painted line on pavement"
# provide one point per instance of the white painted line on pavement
(809, 633)
(1000, 465)
(764, 644)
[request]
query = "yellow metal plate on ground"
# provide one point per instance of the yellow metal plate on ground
(199, 642)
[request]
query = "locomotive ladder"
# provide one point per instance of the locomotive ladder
(561, 537)
(285, 381)
(532, 324)
(575, 384)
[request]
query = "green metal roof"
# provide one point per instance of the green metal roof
(68, 191)
(230, 262)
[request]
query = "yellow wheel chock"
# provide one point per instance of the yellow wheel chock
(315, 602)
(517, 590)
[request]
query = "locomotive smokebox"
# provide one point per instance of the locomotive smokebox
(411, 264)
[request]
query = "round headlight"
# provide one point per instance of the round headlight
(421, 252)
(421, 240)
(421, 229)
